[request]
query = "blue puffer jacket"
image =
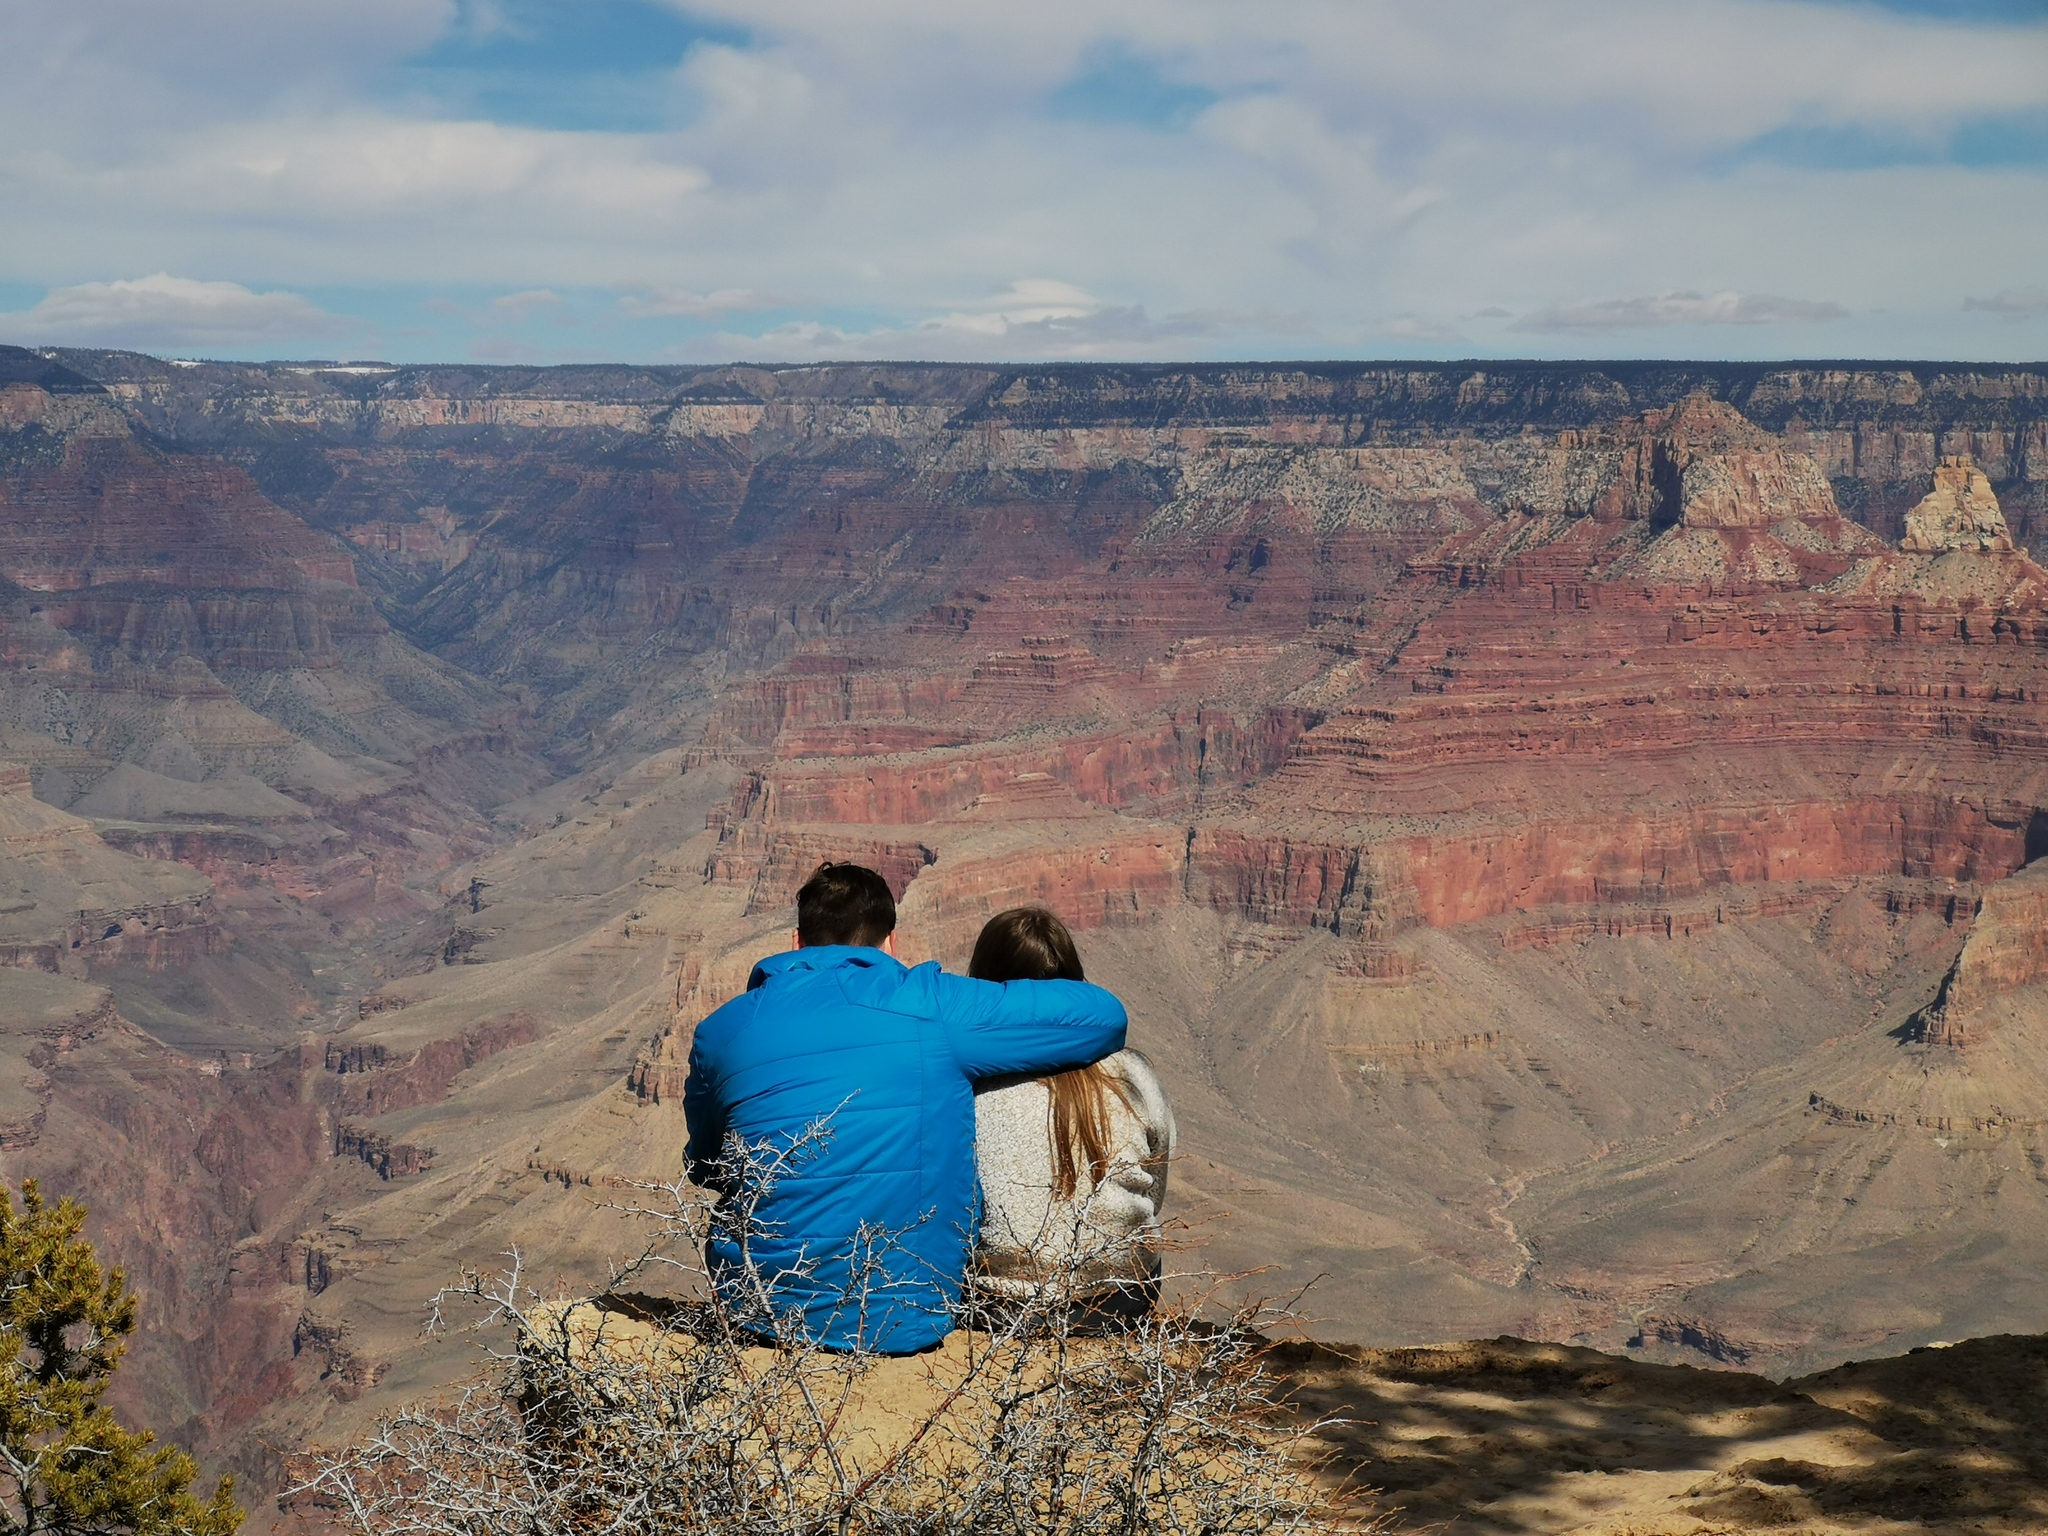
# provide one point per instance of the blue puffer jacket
(889, 1055)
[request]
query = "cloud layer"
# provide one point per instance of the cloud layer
(166, 311)
(2014, 301)
(1120, 178)
(1682, 309)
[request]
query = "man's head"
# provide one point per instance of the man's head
(844, 904)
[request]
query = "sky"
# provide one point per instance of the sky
(670, 181)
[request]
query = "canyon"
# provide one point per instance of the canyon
(1567, 833)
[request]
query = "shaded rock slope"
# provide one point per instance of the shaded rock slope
(1567, 833)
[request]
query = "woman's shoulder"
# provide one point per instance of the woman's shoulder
(1134, 1068)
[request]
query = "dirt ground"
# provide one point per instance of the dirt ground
(1503, 1436)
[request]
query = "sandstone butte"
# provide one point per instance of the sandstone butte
(1565, 832)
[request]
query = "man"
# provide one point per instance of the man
(865, 1233)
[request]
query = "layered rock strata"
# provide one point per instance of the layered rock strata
(195, 670)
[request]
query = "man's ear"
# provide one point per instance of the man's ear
(796, 938)
(888, 944)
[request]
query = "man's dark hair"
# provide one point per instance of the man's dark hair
(844, 904)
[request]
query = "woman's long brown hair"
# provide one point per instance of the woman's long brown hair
(1030, 944)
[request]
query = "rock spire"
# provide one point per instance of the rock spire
(1959, 513)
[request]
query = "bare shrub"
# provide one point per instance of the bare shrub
(714, 1413)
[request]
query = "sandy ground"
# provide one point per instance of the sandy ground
(1505, 1436)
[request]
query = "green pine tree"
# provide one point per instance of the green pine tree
(66, 1467)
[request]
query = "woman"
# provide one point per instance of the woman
(1073, 1166)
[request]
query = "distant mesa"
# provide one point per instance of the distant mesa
(1961, 512)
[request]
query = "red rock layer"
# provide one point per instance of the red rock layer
(1596, 859)
(1122, 878)
(1152, 764)
(776, 864)
(1552, 732)
(813, 695)
(1530, 673)
(374, 1082)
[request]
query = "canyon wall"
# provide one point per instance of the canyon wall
(1519, 802)
(566, 520)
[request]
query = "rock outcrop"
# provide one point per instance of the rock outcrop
(1960, 513)
(42, 1018)
(2007, 950)
(1701, 463)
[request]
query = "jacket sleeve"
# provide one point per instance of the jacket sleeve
(1032, 1027)
(704, 1112)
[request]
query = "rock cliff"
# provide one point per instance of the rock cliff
(196, 670)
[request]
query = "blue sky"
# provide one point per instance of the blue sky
(653, 180)
(598, 64)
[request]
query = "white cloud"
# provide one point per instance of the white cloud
(1030, 318)
(1418, 328)
(371, 166)
(1029, 301)
(1712, 72)
(670, 302)
(2014, 301)
(167, 311)
(1682, 309)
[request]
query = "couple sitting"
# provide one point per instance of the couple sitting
(992, 1120)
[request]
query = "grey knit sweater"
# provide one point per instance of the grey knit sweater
(1106, 1234)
